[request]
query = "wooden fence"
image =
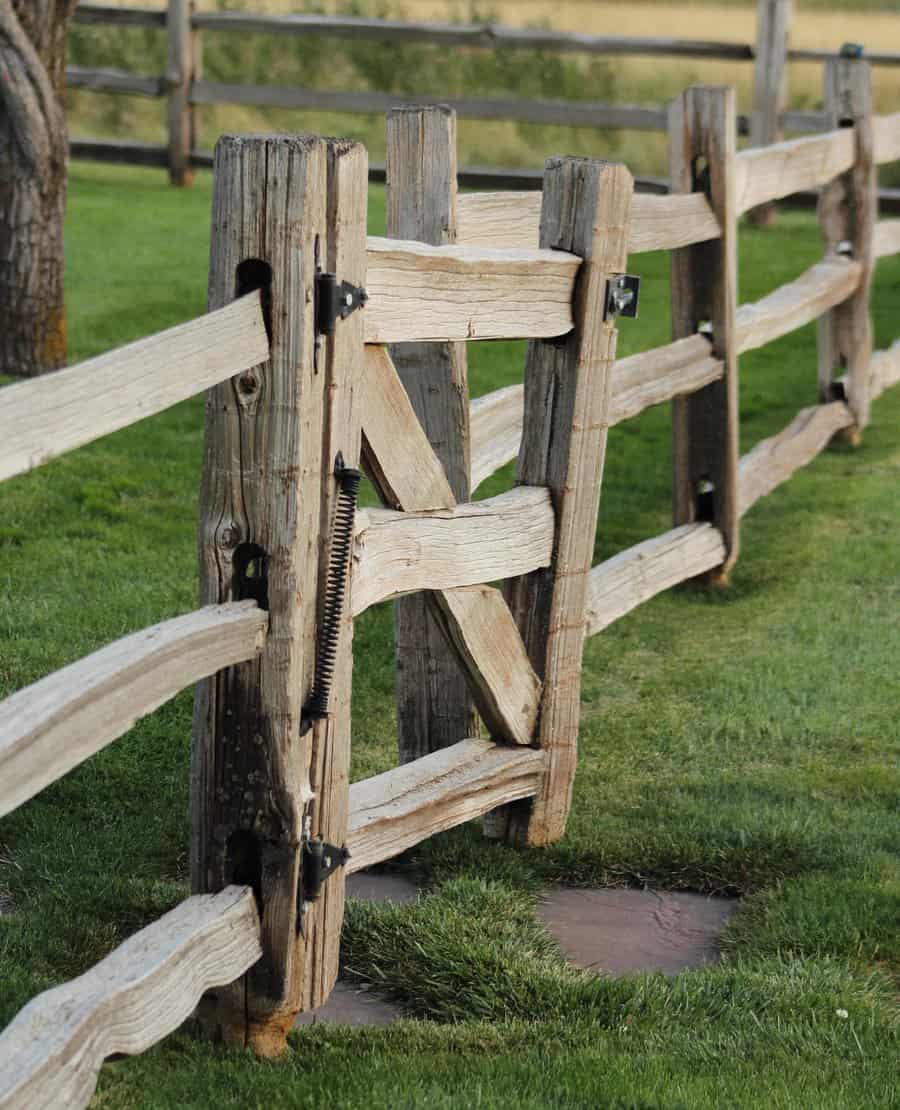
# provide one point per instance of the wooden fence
(302, 392)
(184, 87)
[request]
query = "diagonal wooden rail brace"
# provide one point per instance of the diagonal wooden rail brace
(704, 292)
(586, 210)
(284, 208)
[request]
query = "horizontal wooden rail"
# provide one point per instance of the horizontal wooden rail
(47, 416)
(876, 58)
(886, 138)
(885, 369)
(60, 721)
(822, 286)
(417, 292)
(652, 377)
(770, 172)
(121, 17)
(566, 113)
(774, 460)
(887, 238)
(52, 1051)
(645, 570)
(489, 35)
(395, 810)
(639, 382)
(115, 81)
(481, 541)
(658, 222)
(120, 151)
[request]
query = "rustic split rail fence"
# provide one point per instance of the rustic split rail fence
(302, 391)
(184, 87)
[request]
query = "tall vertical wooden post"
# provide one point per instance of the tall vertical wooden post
(770, 82)
(586, 210)
(848, 209)
(260, 783)
(704, 293)
(434, 707)
(180, 54)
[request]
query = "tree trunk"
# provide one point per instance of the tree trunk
(33, 156)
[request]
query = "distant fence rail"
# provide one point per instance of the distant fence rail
(295, 410)
(184, 88)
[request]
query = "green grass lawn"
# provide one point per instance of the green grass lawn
(743, 742)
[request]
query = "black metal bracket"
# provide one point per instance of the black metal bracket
(623, 293)
(320, 859)
(335, 301)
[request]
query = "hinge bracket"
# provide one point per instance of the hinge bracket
(335, 301)
(320, 860)
(622, 296)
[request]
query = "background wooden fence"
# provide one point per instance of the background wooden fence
(184, 87)
(298, 399)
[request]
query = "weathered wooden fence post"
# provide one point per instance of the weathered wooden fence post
(434, 707)
(263, 785)
(586, 210)
(180, 55)
(702, 158)
(770, 82)
(848, 210)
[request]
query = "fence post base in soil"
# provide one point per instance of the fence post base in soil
(586, 210)
(704, 294)
(263, 786)
(848, 209)
(434, 707)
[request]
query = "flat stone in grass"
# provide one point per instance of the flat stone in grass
(614, 932)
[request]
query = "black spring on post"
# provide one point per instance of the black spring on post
(316, 707)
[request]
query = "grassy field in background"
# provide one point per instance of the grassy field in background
(416, 69)
(742, 742)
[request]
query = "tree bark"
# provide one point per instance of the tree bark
(33, 158)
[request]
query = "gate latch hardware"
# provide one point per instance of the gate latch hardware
(320, 860)
(335, 301)
(622, 296)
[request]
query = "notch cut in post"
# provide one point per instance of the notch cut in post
(704, 298)
(586, 210)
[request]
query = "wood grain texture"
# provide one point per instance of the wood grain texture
(639, 381)
(260, 524)
(434, 707)
(419, 293)
(476, 621)
(401, 462)
(886, 138)
(506, 689)
(886, 240)
(704, 289)
(52, 1051)
(848, 210)
(55, 413)
(632, 577)
(481, 541)
(658, 222)
(60, 721)
(774, 460)
(794, 166)
(496, 423)
(586, 210)
(395, 810)
(329, 739)
(770, 80)
(180, 53)
(823, 285)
